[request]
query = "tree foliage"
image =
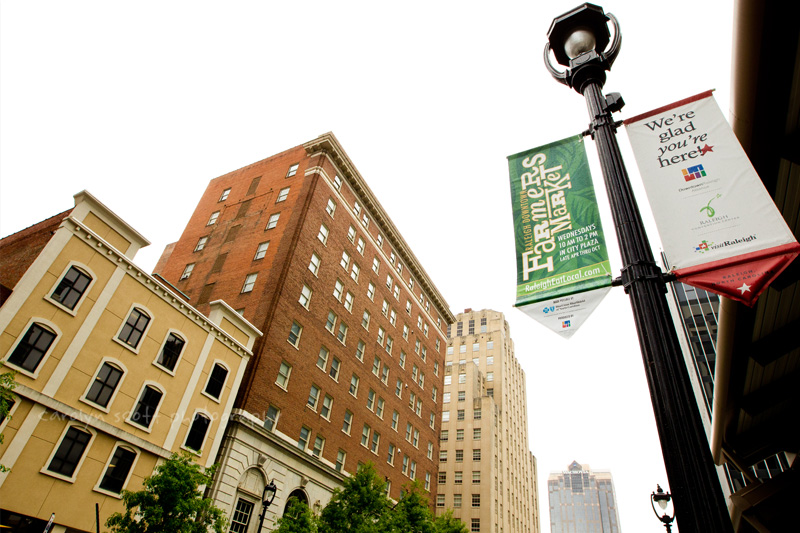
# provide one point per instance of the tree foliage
(298, 518)
(170, 501)
(446, 523)
(7, 385)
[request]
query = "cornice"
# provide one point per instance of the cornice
(328, 145)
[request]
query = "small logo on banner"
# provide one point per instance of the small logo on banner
(565, 324)
(693, 173)
(703, 246)
(708, 209)
(549, 309)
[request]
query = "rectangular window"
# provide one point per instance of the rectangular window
(381, 335)
(371, 399)
(197, 432)
(241, 516)
(305, 296)
(117, 471)
(282, 195)
(361, 245)
(292, 170)
(330, 207)
(323, 234)
(322, 358)
(444, 435)
(319, 445)
(459, 434)
(146, 407)
(376, 264)
(271, 418)
(341, 456)
(213, 218)
(385, 374)
(395, 419)
(313, 266)
(376, 439)
(334, 371)
(330, 323)
(365, 320)
(354, 385)
(224, 195)
(376, 366)
(445, 416)
(294, 334)
(476, 455)
(342, 335)
(476, 434)
(33, 346)
(302, 441)
(442, 456)
(134, 328)
(273, 220)
(284, 372)
(337, 182)
(398, 390)
(475, 524)
(360, 350)
(348, 422)
(351, 234)
(402, 361)
(365, 432)
(249, 283)
(459, 478)
(476, 414)
(313, 397)
(345, 261)
(348, 301)
(216, 381)
(476, 477)
(338, 290)
(390, 455)
(201, 244)
(69, 452)
(379, 409)
(459, 456)
(187, 271)
(355, 271)
(104, 385)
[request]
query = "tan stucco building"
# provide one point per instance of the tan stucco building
(115, 370)
(487, 474)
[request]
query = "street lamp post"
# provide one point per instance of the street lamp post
(267, 498)
(662, 499)
(578, 39)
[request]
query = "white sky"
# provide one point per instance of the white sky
(143, 103)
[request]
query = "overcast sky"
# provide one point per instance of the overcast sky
(143, 103)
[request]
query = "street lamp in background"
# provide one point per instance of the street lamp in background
(580, 41)
(267, 498)
(662, 499)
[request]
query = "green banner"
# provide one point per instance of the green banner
(560, 245)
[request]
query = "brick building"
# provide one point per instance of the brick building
(350, 366)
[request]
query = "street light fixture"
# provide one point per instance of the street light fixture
(662, 499)
(267, 497)
(579, 40)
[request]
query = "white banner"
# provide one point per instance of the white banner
(566, 314)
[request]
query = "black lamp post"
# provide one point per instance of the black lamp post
(579, 39)
(266, 499)
(662, 499)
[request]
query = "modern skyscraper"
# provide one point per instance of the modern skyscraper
(487, 473)
(351, 362)
(582, 501)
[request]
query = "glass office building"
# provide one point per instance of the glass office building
(582, 501)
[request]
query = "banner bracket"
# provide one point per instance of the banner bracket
(642, 270)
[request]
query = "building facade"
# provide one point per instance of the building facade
(487, 474)
(582, 501)
(114, 371)
(350, 366)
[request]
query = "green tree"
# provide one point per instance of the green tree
(446, 523)
(358, 507)
(7, 400)
(170, 502)
(411, 514)
(298, 518)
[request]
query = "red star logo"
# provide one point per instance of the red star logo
(705, 149)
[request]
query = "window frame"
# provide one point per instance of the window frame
(84, 453)
(177, 334)
(260, 254)
(272, 222)
(129, 419)
(141, 309)
(111, 362)
(221, 364)
(42, 324)
(83, 270)
(197, 414)
(111, 457)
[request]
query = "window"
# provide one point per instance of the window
(412, 473)
(380, 240)
(292, 170)
(360, 246)
(385, 307)
(446, 397)
(337, 182)
(365, 431)
(341, 456)
(415, 441)
(197, 432)
(490, 393)
(32, 348)
(445, 416)
(365, 220)
(146, 406)
(302, 441)
(241, 516)
(405, 331)
(398, 390)
(134, 327)
(322, 358)
(348, 301)
(376, 264)
(294, 334)
(319, 445)
(461, 395)
(476, 434)
(460, 414)
(476, 455)
(338, 290)
(395, 419)
(70, 452)
(284, 372)
(379, 409)
(117, 470)
(327, 405)
(345, 262)
(330, 207)
(459, 456)
(313, 266)
(436, 368)
(376, 439)
(402, 361)
(490, 376)
(365, 319)
(459, 478)
(334, 371)
(313, 397)
(444, 435)
(381, 335)
(408, 306)
(354, 385)
(351, 234)
(489, 360)
(459, 433)
(104, 384)
(273, 220)
(433, 393)
(71, 288)
(392, 317)
(170, 352)
(342, 335)
(448, 379)
(187, 271)
(354, 273)
(371, 400)
(201, 244)
(385, 373)
(376, 366)
(224, 195)
(305, 296)
(216, 381)
(348, 422)
(356, 207)
(442, 456)
(389, 281)
(360, 350)
(323, 234)
(371, 291)
(440, 500)
(249, 283)
(271, 418)
(405, 464)
(282, 194)
(409, 429)
(475, 524)
(390, 455)
(476, 477)
(213, 218)
(261, 251)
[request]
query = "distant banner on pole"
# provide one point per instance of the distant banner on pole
(718, 224)
(561, 250)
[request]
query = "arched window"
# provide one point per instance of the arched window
(71, 287)
(32, 347)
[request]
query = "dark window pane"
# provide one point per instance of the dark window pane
(118, 469)
(134, 327)
(197, 432)
(171, 352)
(104, 384)
(71, 288)
(146, 408)
(69, 452)
(241, 516)
(216, 381)
(31, 349)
